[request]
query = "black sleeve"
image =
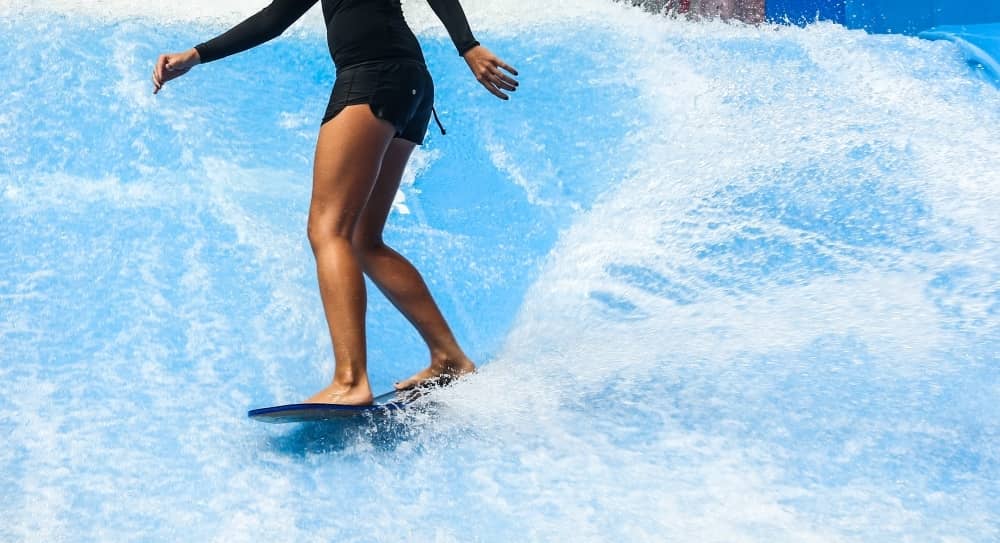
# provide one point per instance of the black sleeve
(260, 27)
(451, 14)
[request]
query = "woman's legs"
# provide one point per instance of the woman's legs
(349, 154)
(399, 280)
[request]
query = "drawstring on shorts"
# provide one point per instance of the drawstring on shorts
(438, 121)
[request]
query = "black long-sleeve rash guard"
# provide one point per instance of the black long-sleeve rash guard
(356, 30)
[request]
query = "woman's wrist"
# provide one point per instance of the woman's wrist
(470, 47)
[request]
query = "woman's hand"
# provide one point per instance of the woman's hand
(172, 66)
(486, 67)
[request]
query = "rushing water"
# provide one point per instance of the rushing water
(728, 284)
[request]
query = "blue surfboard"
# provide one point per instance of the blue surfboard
(313, 412)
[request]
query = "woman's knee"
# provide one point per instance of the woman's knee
(325, 228)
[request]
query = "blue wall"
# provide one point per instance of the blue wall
(805, 11)
(895, 16)
(912, 16)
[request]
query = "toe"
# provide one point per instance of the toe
(405, 384)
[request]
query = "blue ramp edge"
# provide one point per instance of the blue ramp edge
(979, 43)
(886, 16)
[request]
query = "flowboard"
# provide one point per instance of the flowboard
(311, 412)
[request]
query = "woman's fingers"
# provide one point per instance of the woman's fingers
(507, 80)
(496, 81)
(169, 67)
(158, 67)
(493, 89)
(506, 66)
(500, 79)
(161, 62)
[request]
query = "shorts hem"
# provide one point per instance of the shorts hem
(374, 109)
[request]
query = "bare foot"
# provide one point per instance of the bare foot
(441, 372)
(343, 395)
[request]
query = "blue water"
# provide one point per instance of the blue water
(726, 283)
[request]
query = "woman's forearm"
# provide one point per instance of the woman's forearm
(263, 26)
(451, 14)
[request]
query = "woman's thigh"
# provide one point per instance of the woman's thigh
(349, 154)
(369, 228)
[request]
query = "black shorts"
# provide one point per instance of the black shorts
(399, 91)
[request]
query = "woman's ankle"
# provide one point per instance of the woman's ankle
(349, 379)
(453, 360)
